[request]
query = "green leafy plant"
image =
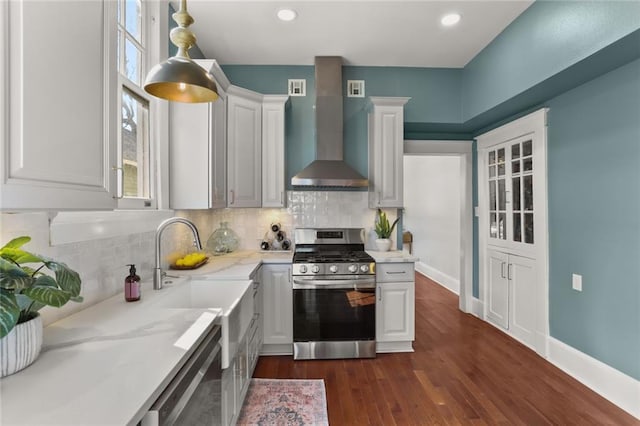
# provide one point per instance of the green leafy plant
(24, 290)
(383, 228)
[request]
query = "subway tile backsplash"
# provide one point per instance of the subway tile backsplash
(102, 263)
(322, 209)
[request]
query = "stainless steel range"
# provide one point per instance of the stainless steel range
(334, 295)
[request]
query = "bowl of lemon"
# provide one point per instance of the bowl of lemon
(190, 261)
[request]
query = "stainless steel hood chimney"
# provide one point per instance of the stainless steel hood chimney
(329, 168)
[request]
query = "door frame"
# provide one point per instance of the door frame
(532, 124)
(464, 150)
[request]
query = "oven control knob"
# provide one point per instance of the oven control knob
(333, 268)
(315, 269)
(303, 269)
(353, 268)
(364, 268)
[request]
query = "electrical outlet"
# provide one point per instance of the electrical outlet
(576, 282)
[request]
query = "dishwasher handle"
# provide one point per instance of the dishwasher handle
(177, 394)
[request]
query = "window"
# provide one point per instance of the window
(135, 152)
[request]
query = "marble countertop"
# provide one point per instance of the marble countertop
(108, 363)
(393, 256)
(105, 364)
(235, 266)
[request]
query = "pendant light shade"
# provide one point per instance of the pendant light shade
(179, 79)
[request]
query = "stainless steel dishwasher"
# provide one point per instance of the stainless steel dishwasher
(194, 396)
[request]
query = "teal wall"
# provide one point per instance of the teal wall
(549, 37)
(435, 97)
(594, 217)
(580, 59)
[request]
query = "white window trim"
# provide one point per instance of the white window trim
(151, 13)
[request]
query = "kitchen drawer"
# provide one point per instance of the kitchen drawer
(395, 272)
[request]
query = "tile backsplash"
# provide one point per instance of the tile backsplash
(319, 209)
(101, 263)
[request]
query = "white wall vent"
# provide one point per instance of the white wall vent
(298, 87)
(355, 88)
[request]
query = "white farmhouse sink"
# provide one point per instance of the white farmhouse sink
(234, 298)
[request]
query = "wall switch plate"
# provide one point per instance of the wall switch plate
(576, 282)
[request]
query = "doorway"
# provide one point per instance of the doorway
(444, 243)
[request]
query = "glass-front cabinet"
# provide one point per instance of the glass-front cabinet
(510, 180)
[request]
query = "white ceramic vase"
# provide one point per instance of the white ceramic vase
(21, 346)
(383, 244)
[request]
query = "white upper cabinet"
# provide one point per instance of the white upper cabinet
(386, 137)
(273, 167)
(198, 149)
(58, 105)
(244, 147)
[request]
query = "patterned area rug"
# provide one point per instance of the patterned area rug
(285, 403)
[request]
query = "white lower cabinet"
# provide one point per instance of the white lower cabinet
(395, 307)
(236, 378)
(277, 309)
(511, 295)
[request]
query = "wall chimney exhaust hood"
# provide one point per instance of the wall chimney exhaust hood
(329, 168)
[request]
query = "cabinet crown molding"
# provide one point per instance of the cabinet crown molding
(245, 93)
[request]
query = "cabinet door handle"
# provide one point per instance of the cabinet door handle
(379, 294)
(396, 272)
(378, 197)
(282, 197)
(502, 269)
(509, 271)
(120, 186)
(233, 196)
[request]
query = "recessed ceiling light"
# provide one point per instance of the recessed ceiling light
(450, 19)
(287, 14)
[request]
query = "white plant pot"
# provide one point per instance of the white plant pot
(21, 346)
(383, 244)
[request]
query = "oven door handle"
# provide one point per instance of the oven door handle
(299, 284)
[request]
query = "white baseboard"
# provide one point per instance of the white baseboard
(617, 387)
(391, 347)
(477, 307)
(446, 281)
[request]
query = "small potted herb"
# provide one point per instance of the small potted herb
(25, 289)
(383, 231)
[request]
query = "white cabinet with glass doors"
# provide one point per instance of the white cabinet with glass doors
(60, 121)
(512, 201)
(244, 147)
(197, 149)
(511, 210)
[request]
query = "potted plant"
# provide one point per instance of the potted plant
(384, 231)
(24, 289)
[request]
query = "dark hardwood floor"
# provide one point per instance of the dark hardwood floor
(463, 371)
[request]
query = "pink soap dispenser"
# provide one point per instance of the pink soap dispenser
(132, 285)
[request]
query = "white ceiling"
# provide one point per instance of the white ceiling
(375, 33)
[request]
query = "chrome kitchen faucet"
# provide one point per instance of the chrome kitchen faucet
(157, 271)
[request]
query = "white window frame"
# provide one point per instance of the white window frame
(150, 44)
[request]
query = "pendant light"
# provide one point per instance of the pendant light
(178, 78)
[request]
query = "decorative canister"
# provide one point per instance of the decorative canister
(223, 240)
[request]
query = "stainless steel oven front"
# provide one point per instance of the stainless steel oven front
(334, 316)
